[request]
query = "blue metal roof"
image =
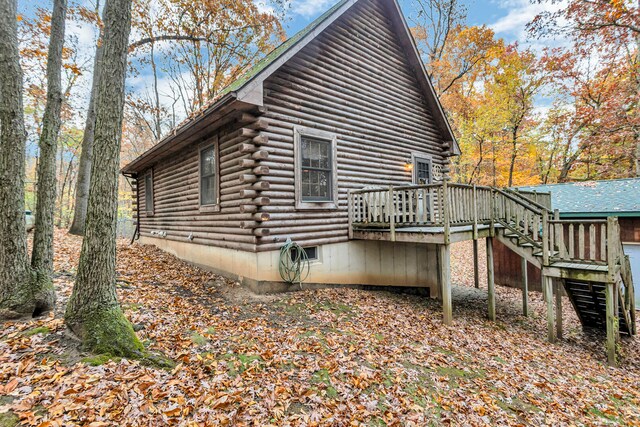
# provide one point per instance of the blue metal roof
(618, 197)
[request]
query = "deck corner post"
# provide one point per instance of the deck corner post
(445, 212)
(475, 213)
(548, 291)
(492, 225)
(525, 288)
(545, 240)
(350, 213)
(445, 283)
(476, 264)
(612, 247)
(392, 215)
(559, 332)
(612, 324)
(490, 280)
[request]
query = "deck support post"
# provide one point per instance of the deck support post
(490, 280)
(548, 291)
(392, 214)
(476, 264)
(612, 324)
(525, 289)
(445, 283)
(559, 311)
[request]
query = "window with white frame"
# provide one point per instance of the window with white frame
(316, 184)
(208, 179)
(148, 192)
(316, 170)
(422, 170)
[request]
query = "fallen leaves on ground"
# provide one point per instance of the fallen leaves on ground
(335, 357)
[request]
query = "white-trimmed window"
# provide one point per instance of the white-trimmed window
(422, 169)
(148, 192)
(316, 177)
(208, 176)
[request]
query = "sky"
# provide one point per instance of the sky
(508, 18)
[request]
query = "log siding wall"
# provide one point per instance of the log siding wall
(177, 210)
(353, 81)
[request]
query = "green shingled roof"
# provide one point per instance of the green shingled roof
(620, 197)
(278, 52)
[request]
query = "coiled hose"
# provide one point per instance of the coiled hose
(294, 263)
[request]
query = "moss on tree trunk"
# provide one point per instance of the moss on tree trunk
(32, 295)
(106, 331)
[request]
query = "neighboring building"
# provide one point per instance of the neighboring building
(582, 200)
(343, 105)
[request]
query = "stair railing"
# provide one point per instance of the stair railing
(522, 216)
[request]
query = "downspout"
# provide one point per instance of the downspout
(136, 233)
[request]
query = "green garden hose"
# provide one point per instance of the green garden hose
(294, 263)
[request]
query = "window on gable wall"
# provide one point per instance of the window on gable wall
(316, 181)
(316, 170)
(148, 192)
(208, 190)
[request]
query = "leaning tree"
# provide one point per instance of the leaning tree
(93, 312)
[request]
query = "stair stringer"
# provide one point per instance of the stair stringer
(524, 252)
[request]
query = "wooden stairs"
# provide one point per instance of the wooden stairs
(585, 256)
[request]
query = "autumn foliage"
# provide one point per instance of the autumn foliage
(316, 358)
(589, 126)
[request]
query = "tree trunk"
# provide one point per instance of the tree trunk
(512, 164)
(86, 155)
(637, 128)
(157, 118)
(93, 312)
(42, 255)
(22, 292)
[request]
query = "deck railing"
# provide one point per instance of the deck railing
(446, 205)
(433, 205)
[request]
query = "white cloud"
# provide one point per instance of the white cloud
(264, 7)
(520, 13)
(309, 8)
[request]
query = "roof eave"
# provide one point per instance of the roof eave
(439, 114)
(138, 163)
(625, 214)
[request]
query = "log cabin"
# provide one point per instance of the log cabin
(344, 104)
(336, 141)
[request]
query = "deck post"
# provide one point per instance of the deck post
(350, 208)
(492, 225)
(392, 215)
(548, 291)
(559, 311)
(490, 280)
(612, 324)
(475, 213)
(445, 280)
(525, 288)
(445, 212)
(545, 240)
(476, 264)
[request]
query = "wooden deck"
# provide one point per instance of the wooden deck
(424, 234)
(579, 253)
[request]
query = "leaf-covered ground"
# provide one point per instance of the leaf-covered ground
(335, 357)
